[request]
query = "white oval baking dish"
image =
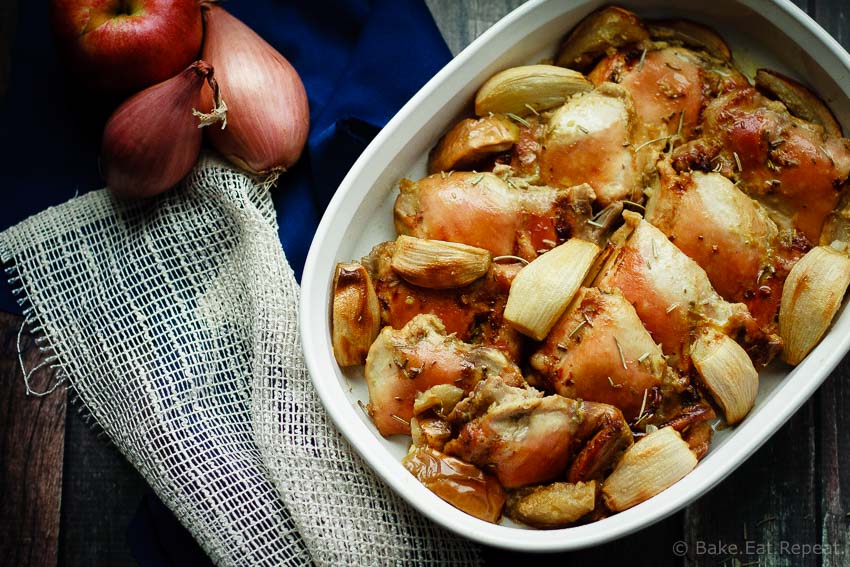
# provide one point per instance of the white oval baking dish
(771, 33)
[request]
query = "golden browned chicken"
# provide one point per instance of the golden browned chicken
(728, 234)
(403, 362)
(472, 312)
(525, 438)
(499, 215)
(599, 351)
(794, 168)
(668, 85)
(672, 295)
(589, 140)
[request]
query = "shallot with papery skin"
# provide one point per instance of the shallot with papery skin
(153, 139)
(268, 115)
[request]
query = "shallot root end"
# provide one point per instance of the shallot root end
(217, 114)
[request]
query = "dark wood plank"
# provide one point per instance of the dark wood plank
(834, 466)
(650, 547)
(834, 16)
(462, 22)
(769, 502)
(32, 434)
(101, 493)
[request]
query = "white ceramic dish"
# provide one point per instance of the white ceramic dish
(771, 33)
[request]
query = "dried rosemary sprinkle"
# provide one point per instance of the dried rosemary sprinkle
(776, 143)
(613, 385)
(582, 128)
(672, 308)
(478, 179)
(562, 346)
(443, 174)
(587, 320)
(518, 119)
(738, 162)
(641, 415)
(643, 357)
(771, 166)
(654, 251)
(681, 123)
(509, 257)
(648, 142)
(578, 328)
(620, 350)
(642, 60)
(531, 108)
(400, 419)
(633, 204)
(594, 223)
(363, 407)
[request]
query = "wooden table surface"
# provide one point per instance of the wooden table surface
(67, 496)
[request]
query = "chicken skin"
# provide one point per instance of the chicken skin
(670, 87)
(524, 437)
(473, 312)
(589, 140)
(403, 362)
(672, 295)
(599, 351)
(484, 210)
(728, 234)
(791, 166)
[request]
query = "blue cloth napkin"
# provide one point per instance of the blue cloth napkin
(360, 61)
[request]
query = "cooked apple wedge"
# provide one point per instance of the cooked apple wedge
(528, 89)
(552, 505)
(690, 34)
(462, 485)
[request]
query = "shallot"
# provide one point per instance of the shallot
(268, 115)
(152, 140)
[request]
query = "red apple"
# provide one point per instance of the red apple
(123, 46)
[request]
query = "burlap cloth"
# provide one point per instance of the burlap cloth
(175, 322)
